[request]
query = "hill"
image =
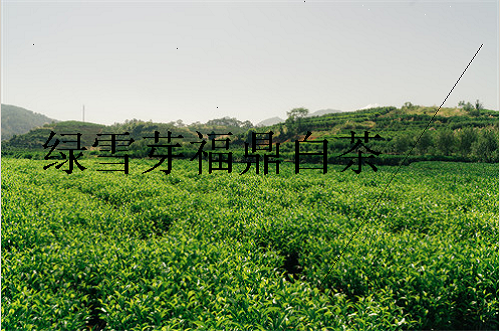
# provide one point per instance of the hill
(324, 112)
(17, 120)
(38, 136)
(276, 120)
(453, 134)
(136, 129)
(270, 121)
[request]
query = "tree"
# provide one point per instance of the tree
(297, 113)
(211, 136)
(445, 142)
(424, 143)
(401, 144)
(225, 121)
(486, 146)
(248, 136)
(467, 106)
(247, 124)
(466, 138)
(478, 105)
(294, 118)
(472, 109)
(407, 105)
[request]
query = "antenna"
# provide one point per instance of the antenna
(83, 113)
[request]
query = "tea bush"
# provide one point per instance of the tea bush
(306, 251)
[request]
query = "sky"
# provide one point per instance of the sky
(200, 60)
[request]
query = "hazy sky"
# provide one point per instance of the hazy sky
(197, 61)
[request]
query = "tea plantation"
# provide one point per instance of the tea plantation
(108, 251)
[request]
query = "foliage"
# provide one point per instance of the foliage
(402, 144)
(466, 138)
(478, 105)
(97, 250)
(445, 142)
(296, 113)
(408, 106)
(472, 109)
(294, 121)
(449, 135)
(486, 146)
(425, 142)
(230, 122)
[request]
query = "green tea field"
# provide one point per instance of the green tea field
(309, 251)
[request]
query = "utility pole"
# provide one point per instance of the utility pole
(83, 113)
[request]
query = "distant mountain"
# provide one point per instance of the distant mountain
(17, 120)
(276, 120)
(324, 112)
(369, 106)
(270, 121)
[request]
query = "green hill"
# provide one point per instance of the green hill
(453, 134)
(34, 139)
(17, 120)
